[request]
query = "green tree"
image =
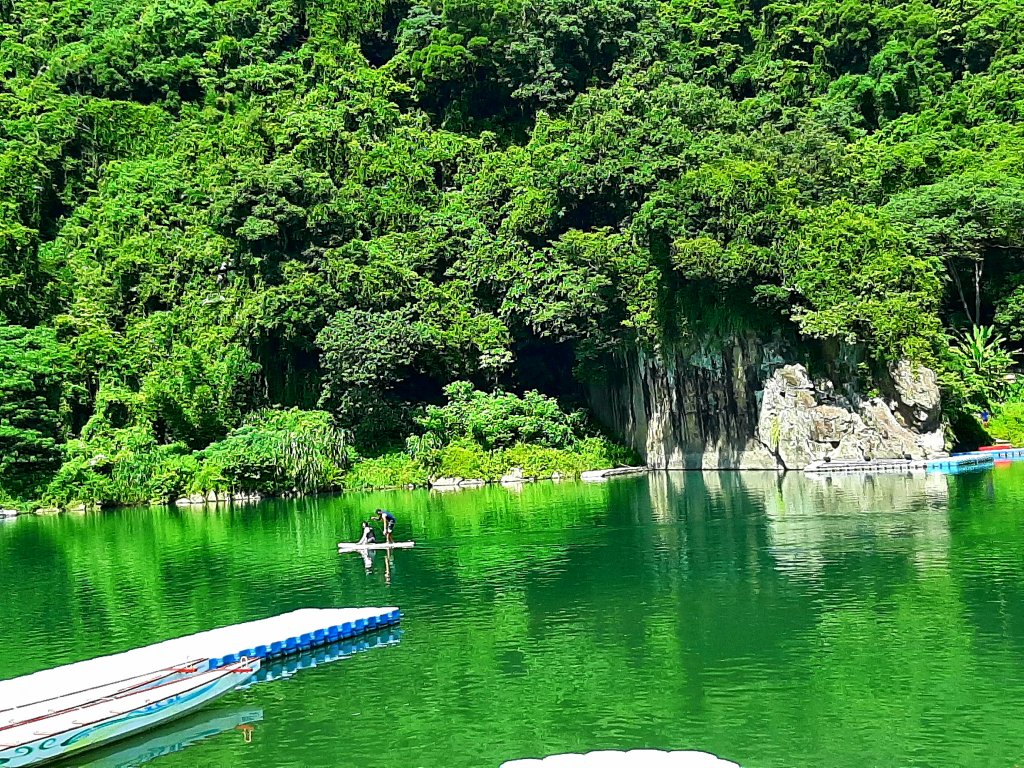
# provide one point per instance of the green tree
(35, 388)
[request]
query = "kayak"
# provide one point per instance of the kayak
(344, 546)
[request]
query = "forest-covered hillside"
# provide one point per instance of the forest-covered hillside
(224, 223)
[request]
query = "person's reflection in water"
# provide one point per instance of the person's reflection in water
(387, 567)
(367, 559)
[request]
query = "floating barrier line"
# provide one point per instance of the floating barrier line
(949, 463)
(957, 461)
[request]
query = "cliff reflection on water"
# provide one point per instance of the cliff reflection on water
(809, 521)
(889, 609)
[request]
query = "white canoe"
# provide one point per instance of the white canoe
(344, 546)
(70, 731)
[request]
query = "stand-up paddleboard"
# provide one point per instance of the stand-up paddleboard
(344, 546)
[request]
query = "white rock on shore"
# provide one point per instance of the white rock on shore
(598, 475)
(515, 476)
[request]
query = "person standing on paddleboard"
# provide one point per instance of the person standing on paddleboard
(389, 523)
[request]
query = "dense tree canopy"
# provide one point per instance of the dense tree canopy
(209, 207)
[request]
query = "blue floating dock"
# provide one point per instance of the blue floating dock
(960, 462)
(957, 462)
(286, 666)
(270, 638)
(1000, 454)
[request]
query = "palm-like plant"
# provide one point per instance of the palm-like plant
(984, 348)
(984, 361)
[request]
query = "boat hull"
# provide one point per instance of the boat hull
(171, 739)
(69, 733)
(47, 708)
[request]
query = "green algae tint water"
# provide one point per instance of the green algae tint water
(773, 621)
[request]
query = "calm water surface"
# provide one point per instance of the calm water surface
(773, 621)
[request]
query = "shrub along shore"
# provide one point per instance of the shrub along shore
(476, 436)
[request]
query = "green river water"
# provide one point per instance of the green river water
(772, 621)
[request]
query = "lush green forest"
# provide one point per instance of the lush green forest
(250, 243)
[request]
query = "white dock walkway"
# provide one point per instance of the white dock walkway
(268, 638)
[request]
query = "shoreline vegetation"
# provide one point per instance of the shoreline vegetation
(248, 245)
(476, 438)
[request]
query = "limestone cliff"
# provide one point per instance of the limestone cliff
(747, 403)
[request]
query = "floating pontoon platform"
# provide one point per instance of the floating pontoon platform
(267, 638)
(955, 463)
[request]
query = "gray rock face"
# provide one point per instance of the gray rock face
(751, 404)
(803, 421)
(697, 410)
(916, 400)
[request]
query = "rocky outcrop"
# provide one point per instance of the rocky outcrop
(915, 399)
(600, 475)
(749, 403)
(691, 410)
(455, 483)
(804, 421)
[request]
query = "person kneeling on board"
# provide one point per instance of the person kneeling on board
(389, 523)
(369, 536)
